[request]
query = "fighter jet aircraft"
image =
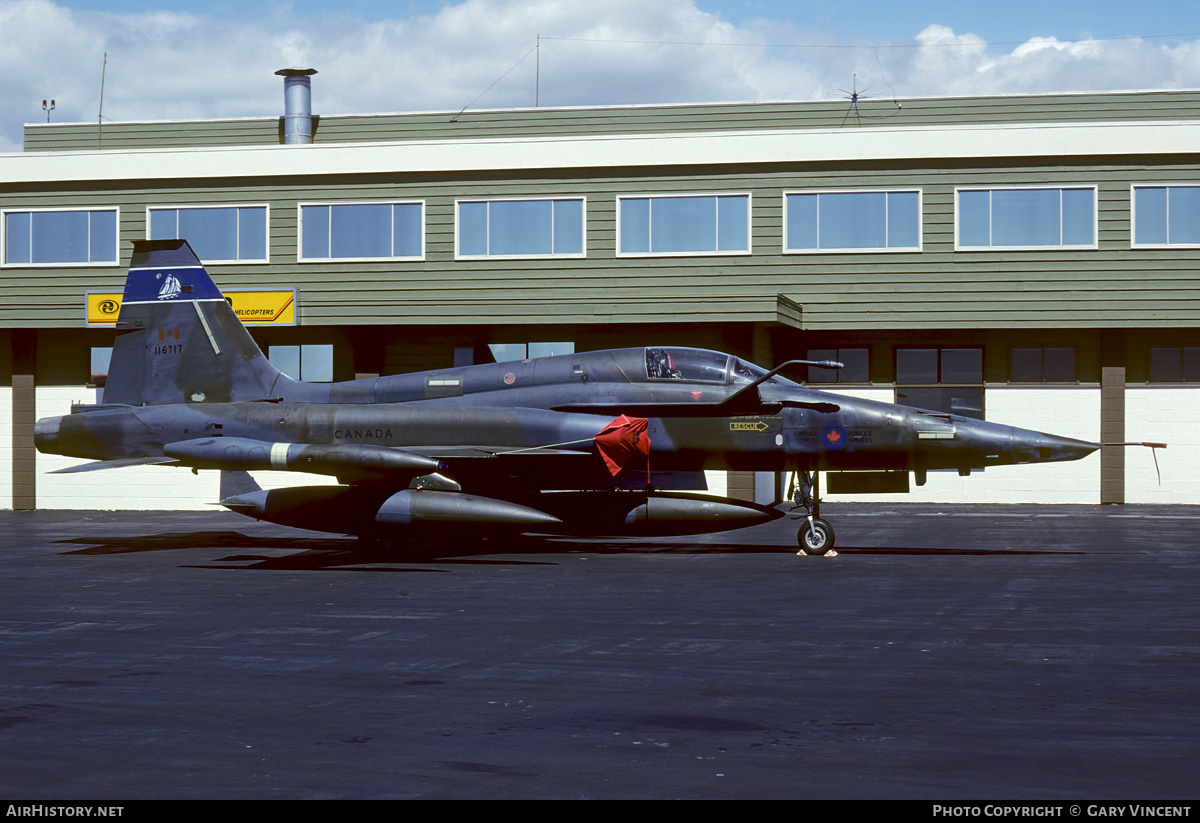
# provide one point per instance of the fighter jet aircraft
(593, 443)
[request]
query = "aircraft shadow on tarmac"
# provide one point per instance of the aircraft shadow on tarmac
(320, 553)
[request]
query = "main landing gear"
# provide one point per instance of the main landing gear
(815, 535)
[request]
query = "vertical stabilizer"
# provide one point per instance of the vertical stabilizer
(178, 339)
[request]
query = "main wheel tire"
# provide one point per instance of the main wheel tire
(815, 537)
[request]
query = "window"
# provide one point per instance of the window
(42, 237)
(1166, 216)
(684, 224)
(218, 234)
(852, 221)
(520, 228)
(1175, 365)
(855, 366)
(1027, 218)
(943, 379)
(362, 231)
(311, 362)
(100, 358)
(1049, 365)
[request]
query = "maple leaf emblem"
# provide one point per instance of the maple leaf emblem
(833, 436)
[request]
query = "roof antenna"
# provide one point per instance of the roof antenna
(536, 48)
(853, 96)
(100, 114)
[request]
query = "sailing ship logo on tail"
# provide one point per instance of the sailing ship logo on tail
(170, 288)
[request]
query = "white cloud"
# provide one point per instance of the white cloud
(167, 65)
(949, 63)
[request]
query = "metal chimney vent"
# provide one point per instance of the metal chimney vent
(297, 105)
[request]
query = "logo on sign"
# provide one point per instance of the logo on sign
(108, 306)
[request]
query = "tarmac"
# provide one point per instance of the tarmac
(946, 653)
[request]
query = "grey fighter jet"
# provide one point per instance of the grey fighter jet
(594, 443)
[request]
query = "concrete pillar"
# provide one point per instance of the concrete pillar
(24, 415)
(1112, 429)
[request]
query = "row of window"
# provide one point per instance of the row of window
(1043, 217)
(951, 379)
(931, 366)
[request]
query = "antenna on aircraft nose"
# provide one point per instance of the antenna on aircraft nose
(1153, 447)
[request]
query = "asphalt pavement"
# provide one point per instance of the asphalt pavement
(1023, 652)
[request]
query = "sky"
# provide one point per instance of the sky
(216, 59)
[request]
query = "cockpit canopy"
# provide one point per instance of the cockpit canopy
(702, 366)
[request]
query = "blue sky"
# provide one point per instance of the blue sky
(852, 20)
(216, 59)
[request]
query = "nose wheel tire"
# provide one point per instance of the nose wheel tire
(815, 537)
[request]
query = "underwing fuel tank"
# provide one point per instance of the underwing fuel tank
(362, 510)
(355, 510)
(663, 514)
(425, 508)
(653, 513)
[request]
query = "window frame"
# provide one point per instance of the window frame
(873, 250)
(836, 373)
(1133, 244)
(1183, 376)
(248, 262)
(300, 206)
(677, 195)
(1061, 187)
(116, 261)
(581, 254)
(941, 384)
(1044, 381)
(313, 349)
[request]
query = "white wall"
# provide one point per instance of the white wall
(5, 447)
(1069, 412)
(717, 482)
(139, 487)
(1163, 414)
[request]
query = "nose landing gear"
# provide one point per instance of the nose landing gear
(815, 535)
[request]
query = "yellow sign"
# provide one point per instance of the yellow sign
(102, 309)
(252, 307)
(277, 307)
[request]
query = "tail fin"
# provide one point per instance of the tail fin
(178, 339)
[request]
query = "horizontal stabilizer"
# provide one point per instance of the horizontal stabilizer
(121, 463)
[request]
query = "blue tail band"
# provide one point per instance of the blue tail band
(165, 271)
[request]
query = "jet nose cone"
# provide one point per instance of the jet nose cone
(1041, 447)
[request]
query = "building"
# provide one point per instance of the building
(1033, 259)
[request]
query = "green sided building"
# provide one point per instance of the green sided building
(1029, 259)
